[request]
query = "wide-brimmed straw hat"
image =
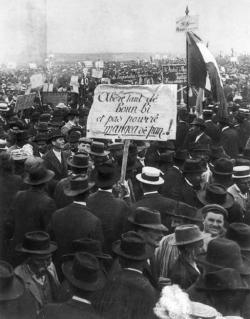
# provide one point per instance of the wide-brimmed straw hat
(150, 175)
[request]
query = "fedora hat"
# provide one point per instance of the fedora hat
(78, 160)
(38, 174)
(187, 234)
(91, 246)
(131, 246)
(188, 212)
(55, 134)
(77, 185)
(216, 194)
(37, 243)
(11, 286)
(198, 122)
(147, 218)
(117, 146)
(181, 154)
(97, 149)
(192, 166)
(150, 175)
(240, 233)
(241, 172)
(106, 175)
(84, 272)
(223, 166)
(214, 208)
(222, 280)
(224, 253)
(74, 137)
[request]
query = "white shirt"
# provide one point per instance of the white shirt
(104, 190)
(81, 300)
(80, 203)
(153, 192)
(190, 184)
(224, 128)
(58, 155)
(136, 270)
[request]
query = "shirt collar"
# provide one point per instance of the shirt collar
(80, 203)
(133, 269)
(198, 136)
(190, 184)
(81, 300)
(224, 128)
(105, 190)
(208, 121)
(239, 191)
(153, 192)
(178, 168)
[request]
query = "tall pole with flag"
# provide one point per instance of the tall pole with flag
(187, 12)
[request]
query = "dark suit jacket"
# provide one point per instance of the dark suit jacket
(181, 132)
(72, 309)
(229, 139)
(52, 163)
(213, 131)
(156, 201)
(183, 274)
(60, 198)
(73, 222)
(173, 180)
(112, 212)
(31, 210)
(188, 195)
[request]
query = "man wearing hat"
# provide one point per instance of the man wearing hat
(189, 240)
(15, 300)
(147, 223)
(173, 178)
(112, 212)
(73, 120)
(85, 278)
(222, 170)
(78, 164)
(38, 271)
(55, 158)
(40, 144)
(241, 188)
(182, 128)
(151, 180)
(75, 220)
(229, 138)
(167, 252)
(197, 134)
(32, 208)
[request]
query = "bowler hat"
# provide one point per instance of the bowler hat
(187, 234)
(77, 185)
(79, 160)
(89, 245)
(198, 122)
(37, 243)
(240, 233)
(188, 212)
(38, 174)
(131, 246)
(241, 172)
(223, 166)
(11, 286)
(223, 280)
(106, 175)
(97, 149)
(147, 218)
(84, 272)
(150, 175)
(216, 194)
(192, 166)
(224, 253)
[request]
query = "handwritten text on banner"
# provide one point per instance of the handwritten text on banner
(139, 112)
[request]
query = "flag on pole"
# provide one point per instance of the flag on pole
(203, 71)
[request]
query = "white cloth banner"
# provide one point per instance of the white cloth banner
(36, 80)
(138, 112)
(187, 23)
(97, 73)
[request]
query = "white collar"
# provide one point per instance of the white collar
(198, 136)
(153, 192)
(177, 168)
(224, 128)
(81, 300)
(133, 269)
(57, 152)
(208, 121)
(80, 203)
(190, 184)
(105, 190)
(72, 123)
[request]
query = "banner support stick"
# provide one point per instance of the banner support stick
(124, 161)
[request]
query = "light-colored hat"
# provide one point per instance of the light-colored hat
(4, 107)
(61, 106)
(241, 172)
(150, 175)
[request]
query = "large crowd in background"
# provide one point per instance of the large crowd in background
(171, 241)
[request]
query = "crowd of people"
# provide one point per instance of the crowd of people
(171, 241)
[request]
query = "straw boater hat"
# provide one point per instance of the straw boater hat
(241, 172)
(4, 107)
(150, 175)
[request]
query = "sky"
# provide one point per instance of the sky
(92, 26)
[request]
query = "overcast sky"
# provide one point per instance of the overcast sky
(87, 26)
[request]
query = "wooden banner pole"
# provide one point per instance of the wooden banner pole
(124, 161)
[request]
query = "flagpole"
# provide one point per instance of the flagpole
(187, 12)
